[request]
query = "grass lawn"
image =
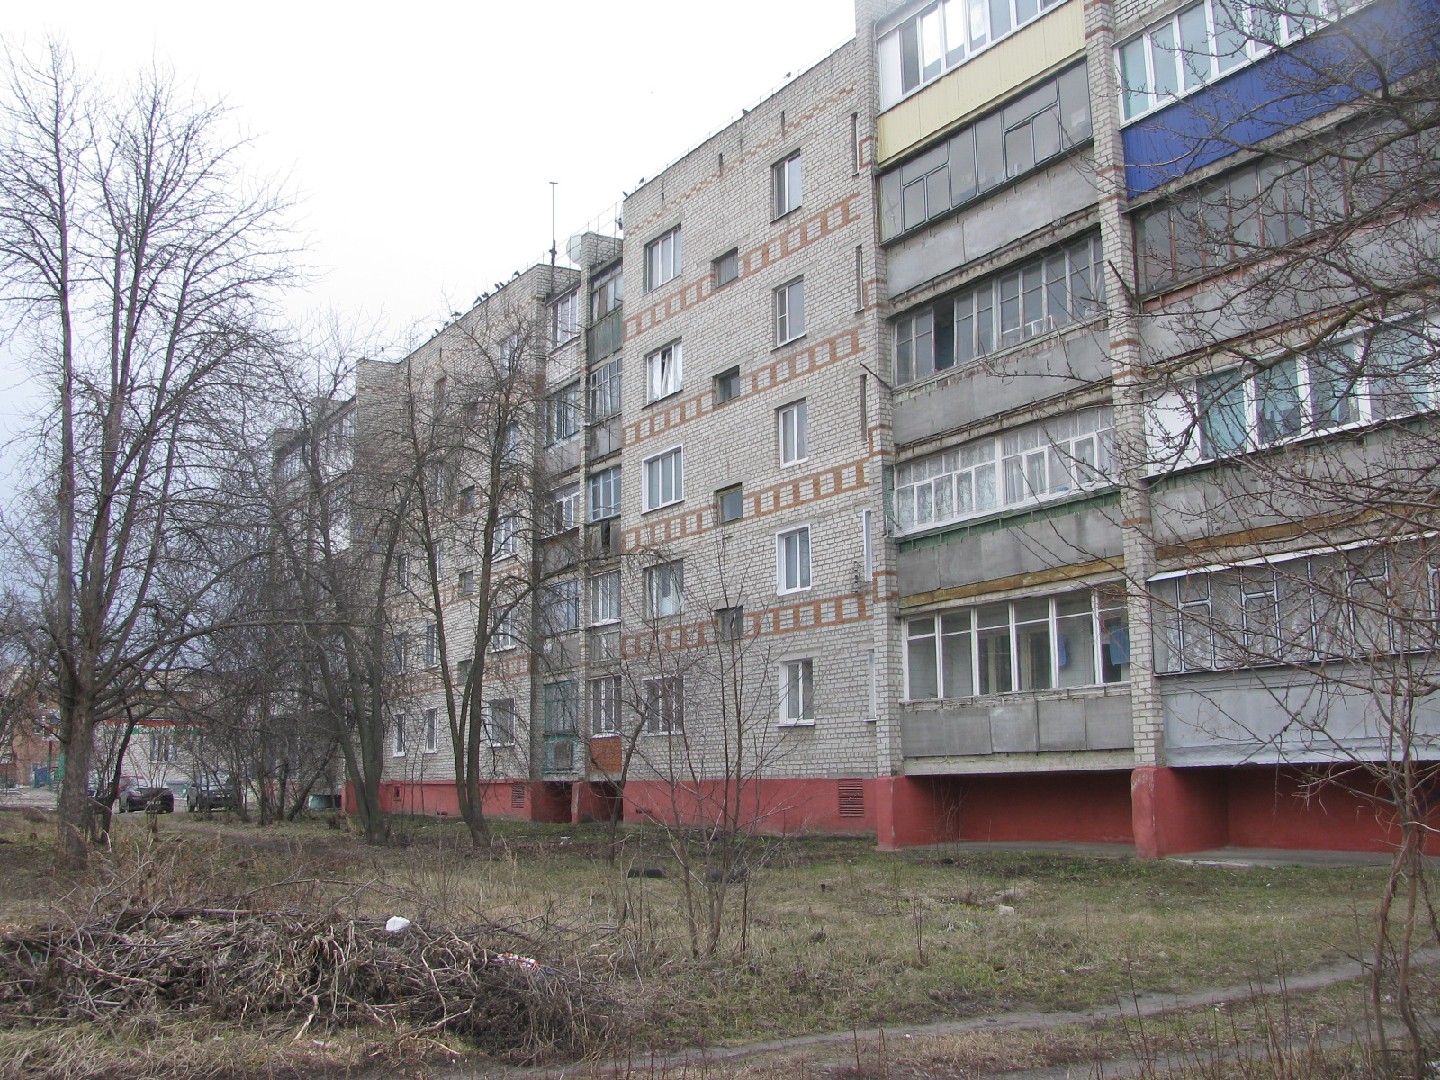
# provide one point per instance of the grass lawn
(823, 934)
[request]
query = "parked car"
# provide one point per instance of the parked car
(135, 793)
(212, 796)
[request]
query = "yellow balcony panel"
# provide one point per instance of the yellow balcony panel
(1042, 46)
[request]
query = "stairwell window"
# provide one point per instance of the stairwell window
(665, 589)
(793, 427)
(662, 259)
(785, 185)
(792, 560)
(664, 375)
(664, 478)
(797, 691)
(790, 311)
(397, 735)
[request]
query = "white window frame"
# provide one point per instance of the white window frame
(505, 635)
(562, 414)
(1174, 67)
(1253, 427)
(793, 560)
(962, 628)
(605, 598)
(432, 645)
(507, 536)
(397, 735)
(564, 509)
(796, 686)
(605, 390)
(665, 589)
(664, 478)
(662, 259)
(944, 35)
(604, 490)
(664, 372)
(567, 317)
(786, 185)
(727, 268)
(432, 731)
(792, 431)
(605, 705)
(506, 731)
(560, 607)
(1074, 451)
(663, 704)
(790, 312)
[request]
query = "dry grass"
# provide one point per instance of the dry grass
(824, 933)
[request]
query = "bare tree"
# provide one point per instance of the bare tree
(467, 419)
(1287, 477)
(136, 257)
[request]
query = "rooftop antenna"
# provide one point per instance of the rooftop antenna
(553, 185)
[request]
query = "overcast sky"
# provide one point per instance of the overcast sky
(423, 136)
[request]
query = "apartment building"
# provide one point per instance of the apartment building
(1117, 489)
(937, 449)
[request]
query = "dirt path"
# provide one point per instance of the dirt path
(835, 1051)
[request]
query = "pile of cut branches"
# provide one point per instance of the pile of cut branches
(239, 964)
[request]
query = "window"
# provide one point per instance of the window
(1039, 126)
(730, 623)
(560, 607)
(662, 259)
(605, 493)
(564, 509)
(397, 735)
(797, 691)
(397, 654)
(730, 503)
(785, 185)
(462, 672)
(439, 482)
(1295, 608)
(665, 589)
(605, 598)
(663, 373)
(944, 35)
(505, 635)
(790, 311)
(432, 730)
(467, 582)
(605, 391)
(507, 536)
(1035, 463)
(607, 291)
(567, 317)
(727, 267)
(1387, 373)
(402, 571)
(605, 705)
(664, 699)
(562, 413)
(1074, 639)
(438, 394)
(664, 478)
(467, 498)
(794, 433)
(792, 560)
(1201, 42)
(162, 747)
(1043, 294)
(560, 707)
(727, 385)
(500, 722)
(511, 447)
(432, 645)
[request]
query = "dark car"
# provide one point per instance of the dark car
(209, 797)
(135, 793)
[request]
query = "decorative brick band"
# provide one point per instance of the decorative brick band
(801, 235)
(774, 621)
(800, 491)
(661, 420)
